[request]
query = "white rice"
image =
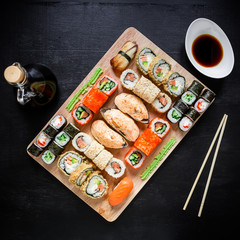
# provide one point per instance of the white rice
(171, 118)
(179, 84)
(126, 83)
(159, 106)
(110, 170)
(188, 97)
(185, 124)
(85, 137)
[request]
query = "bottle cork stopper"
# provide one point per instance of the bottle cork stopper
(14, 74)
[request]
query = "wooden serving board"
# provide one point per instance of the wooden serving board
(101, 205)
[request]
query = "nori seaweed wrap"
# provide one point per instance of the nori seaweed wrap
(192, 114)
(196, 88)
(34, 150)
(50, 131)
(55, 148)
(71, 130)
(208, 95)
(181, 106)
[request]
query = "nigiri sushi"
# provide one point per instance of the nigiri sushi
(133, 106)
(121, 123)
(121, 191)
(106, 136)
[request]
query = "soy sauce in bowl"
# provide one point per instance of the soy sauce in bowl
(207, 50)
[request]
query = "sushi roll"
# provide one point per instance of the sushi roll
(107, 85)
(62, 139)
(158, 70)
(196, 88)
(185, 124)
(192, 114)
(129, 79)
(93, 150)
(69, 161)
(48, 157)
(106, 136)
(102, 159)
(162, 103)
(124, 56)
(71, 130)
(34, 150)
(58, 122)
(144, 58)
(81, 114)
(121, 123)
(147, 141)
(94, 99)
(82, 141)
(81, 173)
(96, 186)
(160, 127)
(43, 140)
(146, 90)
(188, 97)
(208, 95)
(174, 115)
(174, 83)
(50, 131)
(115, 168)
(133, 106)
(55, 148)
(135, 158)
(181, 106)
(121, 191)
(201, 105)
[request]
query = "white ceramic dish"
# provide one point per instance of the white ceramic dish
(205, 26)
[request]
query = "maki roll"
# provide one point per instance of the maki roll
(135, 158)
(82, 141)
(55, 148)
(192, 114)
(62, 138)
(162, 103)
(147, 141)
(106, 136)
(81, 173)
(48, 157)
(144, 58)
(181, 106)
(121, 123)
(201, 105)
(81, 114)
(146, 90)
(124, 56)
(129, 79)
(50, 131)
(133, 106)
(71, 130)
(174, 115)
(102, 159)
(185, 124)
(115, 168)
(208, 95)
(69, 161)
(188, 97)
(159, 126)
(94, 99)
(196, 88)
(107, 85)
(93, 150)
(174, 83)
(121, 191)
(43, 140)
(158, 70)
(58, 122)
(96, 186)
(34, 150)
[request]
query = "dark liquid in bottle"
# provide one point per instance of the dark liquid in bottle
(41, 81)
(207, 50)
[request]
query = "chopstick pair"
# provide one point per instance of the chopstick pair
(222, 128)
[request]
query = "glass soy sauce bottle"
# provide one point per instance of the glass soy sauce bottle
(36, 84)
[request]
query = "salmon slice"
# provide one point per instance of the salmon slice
(130, 77)
(163, 101)
(116, 167)
(81, 143)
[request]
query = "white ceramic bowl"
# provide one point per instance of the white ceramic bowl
(205, 26)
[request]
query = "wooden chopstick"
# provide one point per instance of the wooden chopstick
(212, 167)
(204, 162)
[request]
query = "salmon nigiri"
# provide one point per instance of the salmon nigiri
(121, 191)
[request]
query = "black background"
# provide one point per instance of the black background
(70, 37)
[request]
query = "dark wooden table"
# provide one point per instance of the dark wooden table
(70, 37)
